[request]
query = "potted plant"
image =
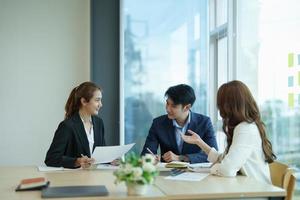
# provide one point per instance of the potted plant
(137, 172)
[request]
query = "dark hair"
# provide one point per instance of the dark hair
(84, 90)
(181, 94)
(236, 104)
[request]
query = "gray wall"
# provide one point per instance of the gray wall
(105, 62)
(44, 53)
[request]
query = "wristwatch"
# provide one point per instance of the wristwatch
(183, 158)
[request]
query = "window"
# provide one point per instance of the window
(268, 61)
(164, 43)
(205, 43)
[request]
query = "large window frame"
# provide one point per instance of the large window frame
(225, 30)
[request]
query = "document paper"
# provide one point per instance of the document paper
(105, 154)
(188, 176)
(43, 168)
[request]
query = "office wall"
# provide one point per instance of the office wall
(44, 52)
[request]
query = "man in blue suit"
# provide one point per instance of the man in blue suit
(166, 130)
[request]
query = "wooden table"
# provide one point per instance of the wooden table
(214, 187)
(11, 176)
(211, 187)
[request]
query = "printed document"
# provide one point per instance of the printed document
(105, 154)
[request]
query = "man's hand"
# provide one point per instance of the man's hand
(170, 156)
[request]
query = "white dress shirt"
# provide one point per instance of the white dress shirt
(245, 154)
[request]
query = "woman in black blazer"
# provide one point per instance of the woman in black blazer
(82, 130)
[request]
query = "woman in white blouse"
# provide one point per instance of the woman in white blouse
(248, 150)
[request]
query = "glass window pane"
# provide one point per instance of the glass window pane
(212, 12)
(268, 62)
(221, 12)
(161, 50)
(222, 61)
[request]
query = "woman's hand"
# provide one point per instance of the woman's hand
(157, 159)
(194, 138)
(84, 162)
(116, 162)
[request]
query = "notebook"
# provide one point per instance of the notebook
(32, 184)
(177, 164)
(74, 191)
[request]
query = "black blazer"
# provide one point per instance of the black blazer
(162, 134)
(70, 141)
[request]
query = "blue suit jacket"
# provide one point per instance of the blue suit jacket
(162, 133)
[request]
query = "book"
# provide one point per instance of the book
(177, 164)
(32, 184)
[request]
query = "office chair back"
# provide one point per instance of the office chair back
(283, 176)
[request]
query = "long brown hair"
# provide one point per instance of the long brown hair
(84, 90)
(236, 104)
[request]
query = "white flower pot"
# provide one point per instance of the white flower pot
(134, 189)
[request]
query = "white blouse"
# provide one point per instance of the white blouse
(90, 136)
(245, 154)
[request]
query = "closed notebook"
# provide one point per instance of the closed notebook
(74, 191)
(177, 164)
(32, 184)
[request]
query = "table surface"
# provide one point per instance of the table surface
(212, 187)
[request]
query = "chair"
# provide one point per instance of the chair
(283, 176)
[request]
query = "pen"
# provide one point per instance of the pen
(150, 152)
(155, 156)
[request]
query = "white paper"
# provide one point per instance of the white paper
(200, 165)
(43, 168)
(49, 169)
(188, 176)
(161, 166)
(107, 154)
(199, 169)
(107, 166)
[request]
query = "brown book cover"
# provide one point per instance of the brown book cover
(32, 184)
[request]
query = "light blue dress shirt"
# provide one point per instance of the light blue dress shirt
(180, 130)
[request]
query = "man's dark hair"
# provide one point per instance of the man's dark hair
(181, 94)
